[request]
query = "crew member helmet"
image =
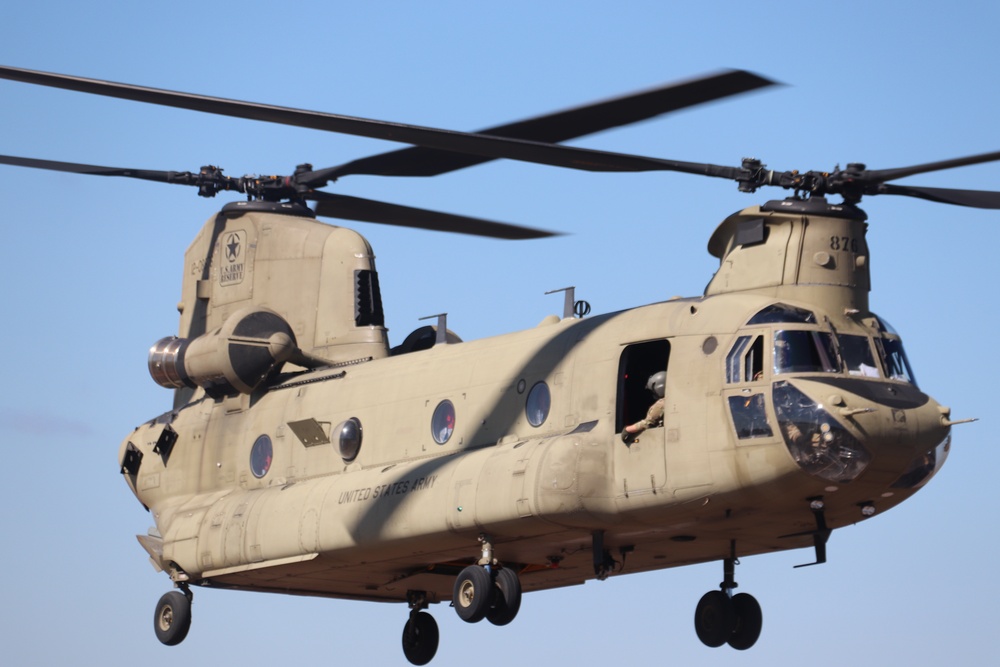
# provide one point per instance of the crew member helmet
(656, 383)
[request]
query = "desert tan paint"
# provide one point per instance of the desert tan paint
(377, 526)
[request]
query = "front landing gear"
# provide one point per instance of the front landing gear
(172, 618)
(714, 618)
(723, 618)
(420, 634)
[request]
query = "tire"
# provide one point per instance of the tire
(172, 619)
(473, 594)
(506, 598)
(420, 638)
(749, 621)
(714, 619)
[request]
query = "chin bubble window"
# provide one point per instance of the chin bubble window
(349, 439)
(536, 408)
(260, 456)
(443, 422)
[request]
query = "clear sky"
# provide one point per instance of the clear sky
(91, 272)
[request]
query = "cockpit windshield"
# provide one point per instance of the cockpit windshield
(894, 360)
(857, 354)
(798, 347)
(896, 364)
(802, 351)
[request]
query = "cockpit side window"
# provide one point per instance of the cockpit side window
(745, 361)
(734, 359)
(753, 362)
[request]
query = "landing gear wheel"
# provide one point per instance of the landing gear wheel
(420, 638)
(506, 598)
(714, 618)
(749, 621)
(172, 619)
(473, 594)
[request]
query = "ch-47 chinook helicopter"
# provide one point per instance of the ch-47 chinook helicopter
(304, 455)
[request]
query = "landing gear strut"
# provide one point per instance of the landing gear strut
(420, 634)
(723, 618)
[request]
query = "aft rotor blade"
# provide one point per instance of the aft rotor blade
(557, 127)
(883, 175)
(448, 140)
(972, 198)
(366, 210)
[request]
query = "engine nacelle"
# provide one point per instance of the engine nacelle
(238, 356)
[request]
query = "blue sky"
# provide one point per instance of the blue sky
(91, 272)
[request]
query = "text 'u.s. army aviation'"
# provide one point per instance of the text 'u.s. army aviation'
(305, 455)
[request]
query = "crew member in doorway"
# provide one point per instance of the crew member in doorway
(654, 416)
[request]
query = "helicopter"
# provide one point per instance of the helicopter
(305, 455)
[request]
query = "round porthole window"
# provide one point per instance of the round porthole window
(536, 408)
(443, 422)
(349, 439)
(260, 456)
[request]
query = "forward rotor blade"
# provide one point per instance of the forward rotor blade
(883, 175)
(366, 210)
(94, 170)
(448, 140)
(972, 198)
(556, 127)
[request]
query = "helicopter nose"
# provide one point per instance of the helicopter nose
(847, 429)
(903, 440)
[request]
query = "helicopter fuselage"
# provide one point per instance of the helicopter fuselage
(789, 411)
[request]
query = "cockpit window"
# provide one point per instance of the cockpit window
(780, 312)
(745, 362)
(815, 439)
(897, 366)
(750, 416)
(890, 349)
(857, 354)
(804, 352)
(734, 359)
(886, 327)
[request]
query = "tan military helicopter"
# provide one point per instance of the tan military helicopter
(304, 455)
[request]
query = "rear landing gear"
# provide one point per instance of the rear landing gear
(484, 590)
(506, 597)
(473, 593)
(487, 590)
(723, 618)
(172, 618)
